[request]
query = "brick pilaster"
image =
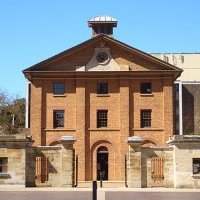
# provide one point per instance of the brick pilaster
(124, 122)
(80, 128)
(168, 108)
(36, 111)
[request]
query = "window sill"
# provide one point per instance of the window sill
(104, 129)
(59, 95)
(147, 129)
(103, 95)
(196, 176)
(60, 129)
(4, 175)
(147, 95)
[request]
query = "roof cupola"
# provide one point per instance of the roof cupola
(102, 25)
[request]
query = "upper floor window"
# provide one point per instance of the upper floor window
(145, 118)
(58, 118)
(3, 165)
(102, 88)
(59, 88)
(196, 165)
(102, 118)
(146, 88)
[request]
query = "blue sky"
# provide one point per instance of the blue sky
(33, 30)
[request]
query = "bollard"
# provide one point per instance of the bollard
(101, 183)
(101, 179)
(94, 190)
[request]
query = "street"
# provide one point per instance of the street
(152, 195)
(46, 195)
(87, 195)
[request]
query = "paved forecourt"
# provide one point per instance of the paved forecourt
(152, 195)
(103, 194)
(46, 195)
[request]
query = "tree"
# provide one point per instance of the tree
(18, 109)
(12, 113)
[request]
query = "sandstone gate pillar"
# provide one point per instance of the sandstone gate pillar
(134, 162)
(67, 175)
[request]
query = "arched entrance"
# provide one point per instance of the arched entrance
(102, 163)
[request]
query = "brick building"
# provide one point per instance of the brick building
(101, 92)
(103, 110)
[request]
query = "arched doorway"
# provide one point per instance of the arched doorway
(102, 163)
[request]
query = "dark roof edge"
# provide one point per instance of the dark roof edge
(174, 53)
(109, 39)
(59, 54)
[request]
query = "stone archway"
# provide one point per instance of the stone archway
(100, 146)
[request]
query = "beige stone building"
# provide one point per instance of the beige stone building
(189, 62)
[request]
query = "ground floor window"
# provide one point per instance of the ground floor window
(3, 165)
(196, 165)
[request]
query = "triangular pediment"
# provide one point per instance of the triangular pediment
(88, 56)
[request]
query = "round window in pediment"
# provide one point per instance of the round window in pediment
(102, 57)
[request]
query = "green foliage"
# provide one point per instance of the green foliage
(12, 114)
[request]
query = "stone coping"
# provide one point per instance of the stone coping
(177, 139)
(135, 139)
(48, 147)
(169, 148)
(5, 138)
(67, 138)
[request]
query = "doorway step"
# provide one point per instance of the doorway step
(106, 184)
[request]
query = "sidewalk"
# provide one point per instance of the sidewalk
(55, 189)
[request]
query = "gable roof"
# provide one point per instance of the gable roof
(39, 66)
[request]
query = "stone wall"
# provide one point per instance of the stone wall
(58, 166)
(167, 155)
(185, 149)
(175, 163)
(13, 147)
(134, 166)
(139, 171)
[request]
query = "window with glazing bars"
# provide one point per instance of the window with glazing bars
(59, 88)
(145, 88)
(102, 88)
(3, 165)
(102, 118)
(145, 118)
(196, 165)
(58, 118)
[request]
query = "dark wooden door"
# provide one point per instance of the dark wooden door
(102, 165)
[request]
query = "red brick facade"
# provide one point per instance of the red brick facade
(80, 103)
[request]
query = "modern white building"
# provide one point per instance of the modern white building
(187, 91)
